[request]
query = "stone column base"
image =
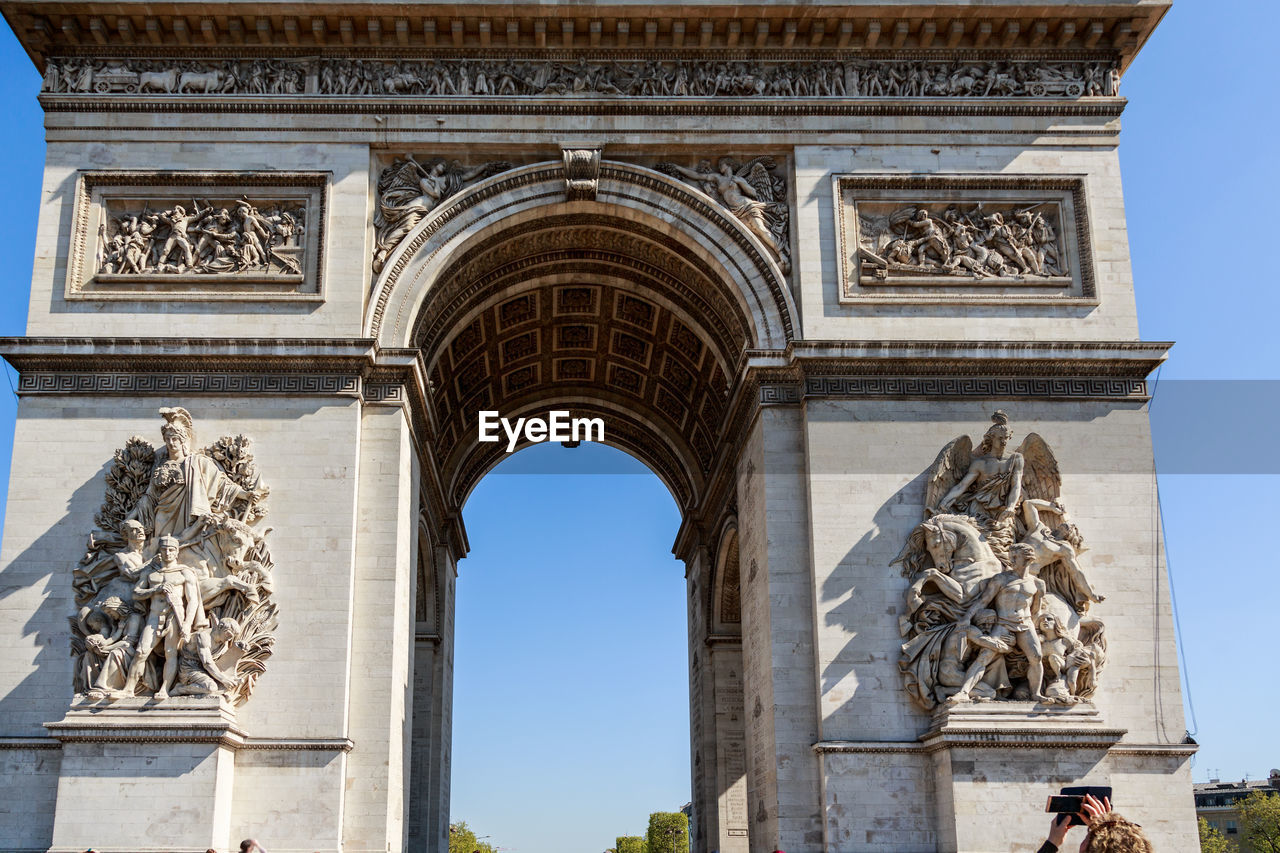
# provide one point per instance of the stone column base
(166, 767)
(995, 764)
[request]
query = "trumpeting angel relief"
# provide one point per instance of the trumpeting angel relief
(174, 595)
(752, 192)
(997, 604)
(408, 191)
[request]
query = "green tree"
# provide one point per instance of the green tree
(668, 833)
(1260, 822)
(463, 840)
(1212, 841)
(630, 844)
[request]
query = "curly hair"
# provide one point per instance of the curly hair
(1111, 833)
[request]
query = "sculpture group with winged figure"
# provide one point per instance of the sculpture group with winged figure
(997, 603)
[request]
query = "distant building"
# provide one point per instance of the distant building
(1216, 803)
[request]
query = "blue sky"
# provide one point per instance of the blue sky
(577, 568)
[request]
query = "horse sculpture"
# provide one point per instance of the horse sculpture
(960, 556)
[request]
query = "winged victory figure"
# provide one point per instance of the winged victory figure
(408, 191)
(750, 192)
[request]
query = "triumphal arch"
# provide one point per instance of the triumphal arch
(851, 278)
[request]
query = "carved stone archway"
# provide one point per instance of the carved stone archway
(703, 230)
(633, 299)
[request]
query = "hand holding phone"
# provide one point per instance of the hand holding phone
(1081, 802)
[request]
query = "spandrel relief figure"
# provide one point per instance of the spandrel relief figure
(408, 191)
(1018, 243)
(753, 192)
(997, 537)
(176, 571)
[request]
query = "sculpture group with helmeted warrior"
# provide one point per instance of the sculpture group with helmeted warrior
(997, 603)
(174, 594)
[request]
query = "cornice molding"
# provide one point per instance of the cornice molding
(798, 363)
(45, 27)
(1106, 109)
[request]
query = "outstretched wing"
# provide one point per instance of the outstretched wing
(1040, 477)
(948, 469)
(479, 173)
(758, 173)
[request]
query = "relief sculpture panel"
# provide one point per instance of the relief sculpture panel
(174, 593)
(997, 603)
(198, 236)
(961, 238)
(939, 76)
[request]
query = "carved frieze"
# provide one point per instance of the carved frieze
(944, 238)
(198, 235)
(997, 603)
(940, 76)
(174, 594)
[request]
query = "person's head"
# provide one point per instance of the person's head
(985, 619)
(1047, 624)
(921, 214)
(134, 533)
(1111, 833)
(997, 435)
(251, 845)
(225, 630)
(168, 549)
(115, 607)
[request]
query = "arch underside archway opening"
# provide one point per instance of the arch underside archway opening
(635, 308)
(640, 308)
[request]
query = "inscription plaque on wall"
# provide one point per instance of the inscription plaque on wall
(198, 236)
(951, 238)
